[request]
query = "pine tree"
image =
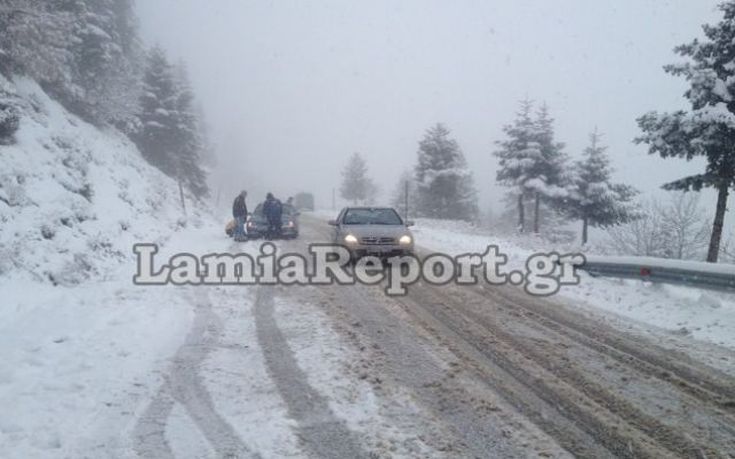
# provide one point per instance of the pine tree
(444, 184)
(107, 59)
(83, 52)
(593, 199)
(532, 162)
(548, 184)
(158, 118)
(356, 186)
(33, 41)
(189, 137)
(708, 129)
(518, 157)
(169, 135)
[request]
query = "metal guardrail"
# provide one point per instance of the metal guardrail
(654, 272)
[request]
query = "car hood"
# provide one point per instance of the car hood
(394, 231)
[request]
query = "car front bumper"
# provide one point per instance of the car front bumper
(382, 251)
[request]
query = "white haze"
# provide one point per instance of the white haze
(292, 88)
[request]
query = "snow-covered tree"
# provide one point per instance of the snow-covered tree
(33, 41)
(169, 135)
(357, 186)
(84, 52)
(550, 178)
(158, 118)
(593, 198)
(531, 162)
(108, 58)
(190, 137)
(444, 185)
(708, 128)
(517, 155)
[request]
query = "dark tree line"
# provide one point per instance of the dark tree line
(88, 55)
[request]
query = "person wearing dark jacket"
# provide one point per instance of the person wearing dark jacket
(273, 210)
(240, 213)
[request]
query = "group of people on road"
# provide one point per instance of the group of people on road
(272, 211)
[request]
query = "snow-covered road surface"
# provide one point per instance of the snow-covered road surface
(344, 371)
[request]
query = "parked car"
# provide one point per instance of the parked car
(376, 231)
(257, 224)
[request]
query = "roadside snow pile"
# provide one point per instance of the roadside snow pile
(702, 314)
(683, 265)
(73, 198)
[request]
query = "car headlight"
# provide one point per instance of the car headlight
(405, 239)
(289, 224)
(350, 239)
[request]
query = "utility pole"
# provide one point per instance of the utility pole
(334, 199)
(405, 203)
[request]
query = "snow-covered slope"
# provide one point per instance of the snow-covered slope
(74, 198)
(79, 343)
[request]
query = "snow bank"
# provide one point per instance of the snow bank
(74, 198)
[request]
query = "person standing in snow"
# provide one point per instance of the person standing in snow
(273, 210)
(240, 213)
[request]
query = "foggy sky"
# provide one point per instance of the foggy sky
(292, 88)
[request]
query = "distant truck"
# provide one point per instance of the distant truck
(304, 201)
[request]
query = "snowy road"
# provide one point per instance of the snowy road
(345, 371)
(489, 362)
(445, 371)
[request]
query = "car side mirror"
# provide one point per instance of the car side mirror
(332, 222)
(410, 222)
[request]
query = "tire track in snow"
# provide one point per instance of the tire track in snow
(323, 434)
(150, 430)
(184, 385)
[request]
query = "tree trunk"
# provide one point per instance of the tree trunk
(585, 225)
(521, 214)
(714, 242)
(536, 217)
(181, 196)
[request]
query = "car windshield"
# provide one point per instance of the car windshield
(372, 217)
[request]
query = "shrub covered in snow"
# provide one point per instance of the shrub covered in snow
(9, 122)
(9, 113)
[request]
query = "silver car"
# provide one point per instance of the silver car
(376, 231)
